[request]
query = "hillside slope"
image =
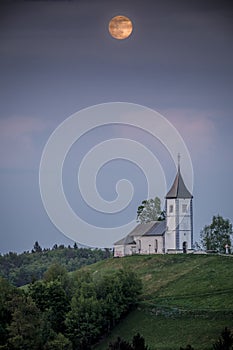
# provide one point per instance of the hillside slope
(187, 299)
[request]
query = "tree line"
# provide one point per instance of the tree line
(21, 269)
(64, 311)
(224, 342)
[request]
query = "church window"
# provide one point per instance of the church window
(139, 246)
(156, 245)
(171, 209)
(184, 208)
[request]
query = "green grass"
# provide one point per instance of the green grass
(190, 281)
(168, 333)
(186, 299)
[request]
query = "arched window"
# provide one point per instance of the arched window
(139, 246)
(156, 245)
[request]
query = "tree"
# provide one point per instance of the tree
(120, 344)
(37, 248)
(118, 293)
(25, 327)
(129, 288)
(60, 342)
(7, 293)
(225, 342)
(84, 322)
(217, 235)
(138, 343)
(56, 272)
(150, 210)
(50, 298)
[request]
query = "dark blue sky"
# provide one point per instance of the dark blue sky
(57, 57)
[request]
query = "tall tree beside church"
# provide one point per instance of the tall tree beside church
(217, 235)
(150, 210)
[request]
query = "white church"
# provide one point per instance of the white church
(173, 235)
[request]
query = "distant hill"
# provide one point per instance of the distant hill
(187, 299)
(21, 269)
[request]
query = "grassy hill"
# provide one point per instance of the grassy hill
(187, 299)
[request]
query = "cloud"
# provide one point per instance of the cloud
(21, 141)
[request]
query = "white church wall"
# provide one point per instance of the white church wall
(151, 245)
(119, 251)
(170, 240)
(123, 250)
(130, 249)
(171, 223)
(171, 214)
(185, 223)
(185, 237)
(170, 236)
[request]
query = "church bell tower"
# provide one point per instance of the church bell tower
(179, 217)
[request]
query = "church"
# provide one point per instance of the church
(172, 235)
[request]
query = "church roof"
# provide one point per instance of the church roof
(178, 189)
(158, 229)
(126, 240)
(140, 229)
(152, 228)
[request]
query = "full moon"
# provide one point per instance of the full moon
(120, 27)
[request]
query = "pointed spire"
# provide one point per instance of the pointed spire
(178, 189)
(178, 156)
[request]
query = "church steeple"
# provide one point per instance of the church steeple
(178, 189)
(179, 216)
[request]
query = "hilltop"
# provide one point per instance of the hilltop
(186, 299)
